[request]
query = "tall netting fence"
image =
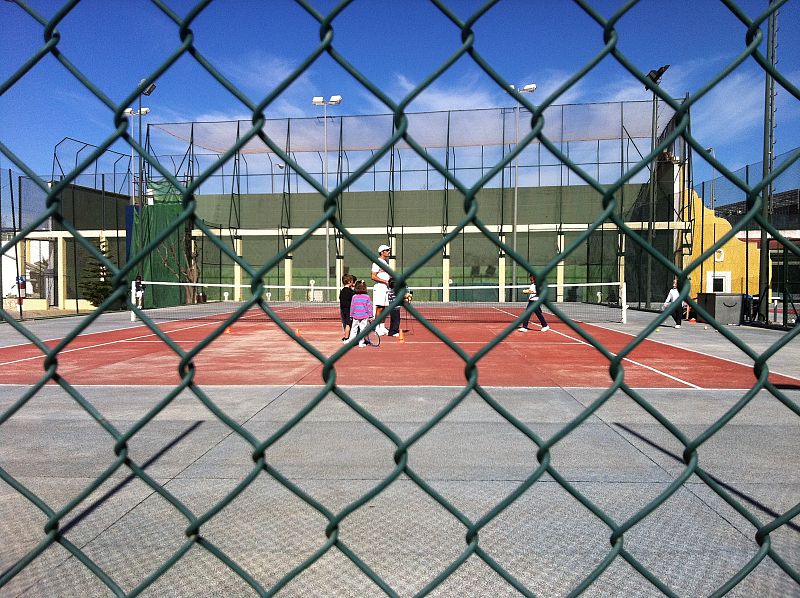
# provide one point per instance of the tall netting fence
(465, 215)
(403, 197)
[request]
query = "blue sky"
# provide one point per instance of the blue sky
(396, 44)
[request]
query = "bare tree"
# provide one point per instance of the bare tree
(180, 258)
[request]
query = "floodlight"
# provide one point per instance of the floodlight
(656, 74)
(128, 112)
(528, 88)
(143, 111)
(318, 101)
(149, 89)
(335, 100)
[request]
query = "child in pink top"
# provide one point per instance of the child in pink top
(360, 311)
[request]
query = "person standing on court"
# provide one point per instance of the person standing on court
(380, 292)
(138, 293)
(672, 296)
(394, 314)
(345, 299)
(533, 296)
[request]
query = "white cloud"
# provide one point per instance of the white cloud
(257, 71)
(732, 111)
(550, 80)
(464, 94)
(257, 74)
(471, 92)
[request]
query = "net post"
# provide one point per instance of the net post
(339, 268)
(561, 266)
(133, 300)
(287, 277)
(501, 273)
(623, 297)
(238, 249)
(446, 274)
(61, 270)
(393, 251)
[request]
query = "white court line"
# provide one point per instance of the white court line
(576, 341)
(122, 340)
(560, 344)
(647, 367)
(746, 365)
(159, 341)
(652, 369)
(138, 324)
(445, 386)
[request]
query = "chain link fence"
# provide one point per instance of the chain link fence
(532, 130)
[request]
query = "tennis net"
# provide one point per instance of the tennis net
(582, 302)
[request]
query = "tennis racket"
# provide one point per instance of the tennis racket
(372, 339)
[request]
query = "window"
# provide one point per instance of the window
(718, 282)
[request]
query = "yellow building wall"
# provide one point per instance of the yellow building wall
(734, 257)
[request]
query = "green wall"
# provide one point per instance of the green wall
(474, 258)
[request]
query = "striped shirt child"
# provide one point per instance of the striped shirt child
(360, 311)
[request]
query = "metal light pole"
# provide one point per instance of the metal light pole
(655, 76)
(764, 284)
(714, 216)
(320, 101)
(130, 112)
(272, 173)
(139, 113)
(528, 88)
(713, 213)
(142, 111)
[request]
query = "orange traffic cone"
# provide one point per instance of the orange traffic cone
(402, 338)
(229, 330)
(297, 332)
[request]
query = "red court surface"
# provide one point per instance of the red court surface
(257, 353)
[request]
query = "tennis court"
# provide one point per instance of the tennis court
(395, 417)
(131, 355)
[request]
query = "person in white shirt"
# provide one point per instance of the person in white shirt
(672, 296)
(380, 292)
(533, 296)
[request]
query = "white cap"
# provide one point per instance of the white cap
(384, 248)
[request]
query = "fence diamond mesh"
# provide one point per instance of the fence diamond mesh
(55, 531)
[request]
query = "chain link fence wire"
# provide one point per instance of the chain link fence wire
(195, 539)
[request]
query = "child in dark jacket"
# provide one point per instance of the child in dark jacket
(345, 299)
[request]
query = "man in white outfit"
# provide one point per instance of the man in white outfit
(380, 292)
